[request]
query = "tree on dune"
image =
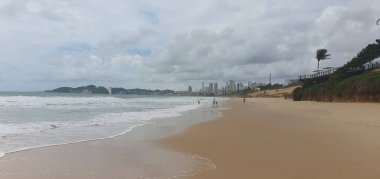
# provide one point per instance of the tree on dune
(322, 55)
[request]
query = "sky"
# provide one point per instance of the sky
(170, 44)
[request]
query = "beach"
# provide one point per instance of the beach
(205, 89)
(271, 138)
(266, 138)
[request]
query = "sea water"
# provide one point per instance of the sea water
(30, 120)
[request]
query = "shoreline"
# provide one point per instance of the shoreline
(276, 138)
(111, 149)
(126, 131)
(69, 143)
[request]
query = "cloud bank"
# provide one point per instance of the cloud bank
(171, 44)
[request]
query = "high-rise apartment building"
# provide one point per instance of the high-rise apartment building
(210, 88)
(240, 87)
(231, 86)
(216, 88)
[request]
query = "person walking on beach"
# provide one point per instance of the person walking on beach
(244, 100)
(199, 102)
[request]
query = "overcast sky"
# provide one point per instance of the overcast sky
(174, 43)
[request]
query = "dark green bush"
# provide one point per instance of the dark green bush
(297, 94)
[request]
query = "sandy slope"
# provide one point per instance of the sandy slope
(274, 93)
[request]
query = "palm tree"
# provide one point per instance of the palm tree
(321, 55)
(378, 22)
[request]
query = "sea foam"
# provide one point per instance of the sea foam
(36, 121)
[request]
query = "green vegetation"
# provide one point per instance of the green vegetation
(348, 83)
(297, 94)
(364, 87)
(271, 86)
(90, 89)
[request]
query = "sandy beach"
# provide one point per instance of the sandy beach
(265, 138)
(276, 138)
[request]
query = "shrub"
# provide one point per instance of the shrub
(297, 94)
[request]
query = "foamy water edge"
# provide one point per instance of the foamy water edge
(2, 154)
(151, 121)
(199, 163)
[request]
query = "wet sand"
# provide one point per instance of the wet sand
(282, 139)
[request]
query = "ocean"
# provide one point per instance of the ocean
(30, 120)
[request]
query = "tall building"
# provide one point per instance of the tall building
(203, 87)
(251, 85)
(210, 88)
(216, 88)
(270, 78)
(190, 89)
(231, 86)
(240, 87)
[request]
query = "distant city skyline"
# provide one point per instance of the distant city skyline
(230, 86)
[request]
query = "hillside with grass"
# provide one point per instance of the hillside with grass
(350, 83)
(359, 88)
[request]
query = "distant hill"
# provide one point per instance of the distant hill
(92, 89)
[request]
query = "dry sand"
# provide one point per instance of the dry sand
(278, 93)
(281, 139)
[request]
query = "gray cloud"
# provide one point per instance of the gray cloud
(171, 44)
